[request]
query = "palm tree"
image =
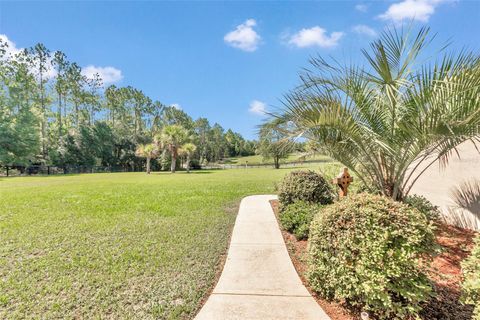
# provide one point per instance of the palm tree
(188, 149)
(148, 151)
(392, 119)
(171, 138)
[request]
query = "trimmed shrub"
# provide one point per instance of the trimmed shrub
(423, 205)
(471, 281)
(367, 250)
(296, 218)
(304, 185)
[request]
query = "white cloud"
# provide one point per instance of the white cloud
(258, 107)
(176, 106)
(315, 36)
(361, 7)
(11, 50)
(364, 30)
(107, 74)
(419, 10)
(244, 37)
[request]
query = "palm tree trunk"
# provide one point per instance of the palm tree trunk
(174, 163)
(148, 165)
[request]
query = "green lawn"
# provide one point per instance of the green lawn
(257, 159)
(123, 245)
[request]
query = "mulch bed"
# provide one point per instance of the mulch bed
(445, 274)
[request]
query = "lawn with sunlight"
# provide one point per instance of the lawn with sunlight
(117, 245)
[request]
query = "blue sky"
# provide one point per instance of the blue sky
(226, 61)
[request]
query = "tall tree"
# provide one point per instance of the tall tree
(76, 82)
(57, 119)
(217, 138)
(92, 97)
(40, 62)
(60, 63)
(19, 129)
(202, 128)
(112, 103)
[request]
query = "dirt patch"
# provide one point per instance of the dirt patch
(456, 244)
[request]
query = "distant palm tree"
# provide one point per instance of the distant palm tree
(188, 149)
(391, 119)
(148, 151)
(171, 138)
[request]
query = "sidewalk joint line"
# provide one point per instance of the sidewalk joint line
(262, 294)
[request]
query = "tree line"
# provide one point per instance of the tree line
(52, 114)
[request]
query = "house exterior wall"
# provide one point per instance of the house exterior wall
(455, 188)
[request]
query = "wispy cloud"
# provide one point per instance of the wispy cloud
(258, 107)
(315, 36)
(361, 7)
(108, 74)
(244, 37)
(420, 10)
(364, 30)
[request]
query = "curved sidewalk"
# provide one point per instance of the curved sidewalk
(259, 280)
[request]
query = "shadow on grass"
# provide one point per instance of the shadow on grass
(182, 172)
(200, 171)
(45, 175)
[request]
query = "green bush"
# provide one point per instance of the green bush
(367, 250)
(304, 185)
(471, 282)
(424, 206)
(296, 218)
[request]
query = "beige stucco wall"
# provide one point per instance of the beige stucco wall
(456, 188)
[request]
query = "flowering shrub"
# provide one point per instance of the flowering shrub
(424, 206)
(471, 282)
(367, 250)
(296, 218)
(305, 185)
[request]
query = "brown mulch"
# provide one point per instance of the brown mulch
(456, 244)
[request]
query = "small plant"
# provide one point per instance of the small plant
(367, 250)
(296, 218)
(423, 205)
(471, 282)
(305, 185)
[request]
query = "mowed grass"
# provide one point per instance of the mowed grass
(123, 245)
(258, 159)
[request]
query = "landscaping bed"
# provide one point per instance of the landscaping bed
(456, 244)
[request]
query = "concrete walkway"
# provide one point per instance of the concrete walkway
(259, 280)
